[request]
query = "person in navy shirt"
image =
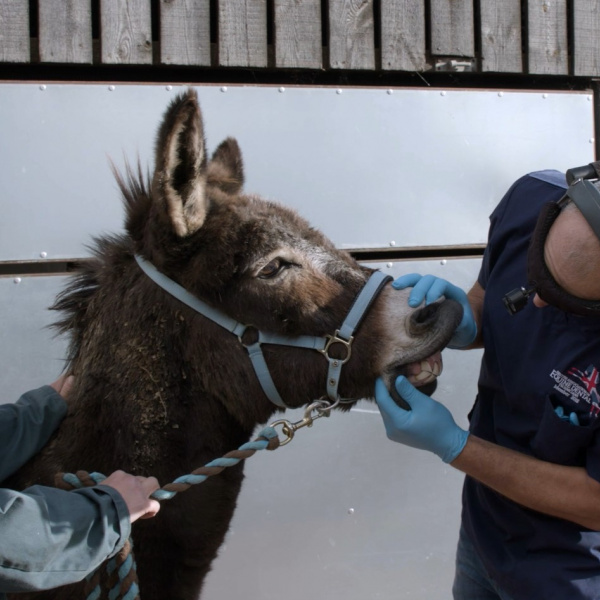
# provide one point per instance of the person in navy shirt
(531, 498)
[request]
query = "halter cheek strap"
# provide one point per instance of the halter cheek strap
(343, 335)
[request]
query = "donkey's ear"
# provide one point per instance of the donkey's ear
(226, 168)
(180, 165)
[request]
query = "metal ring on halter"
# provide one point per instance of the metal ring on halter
(326, 405)
(336, 339)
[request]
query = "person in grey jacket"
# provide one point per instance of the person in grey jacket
(50, 537)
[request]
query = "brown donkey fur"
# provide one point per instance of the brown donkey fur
(161, 390)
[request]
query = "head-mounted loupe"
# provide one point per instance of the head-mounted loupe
(586, 196)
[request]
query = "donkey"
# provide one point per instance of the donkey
(161, 389)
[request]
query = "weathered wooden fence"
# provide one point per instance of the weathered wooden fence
(543, 37)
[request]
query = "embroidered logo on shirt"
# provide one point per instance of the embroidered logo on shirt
(586, 389)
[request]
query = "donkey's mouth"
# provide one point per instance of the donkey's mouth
(442, 317)
(422, 374)
(424, 371)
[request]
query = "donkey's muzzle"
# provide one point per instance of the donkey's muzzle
(449, 312)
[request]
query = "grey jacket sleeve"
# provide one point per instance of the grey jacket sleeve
(51, 537)
(26, 426)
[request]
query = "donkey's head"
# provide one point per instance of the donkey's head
(261, 264)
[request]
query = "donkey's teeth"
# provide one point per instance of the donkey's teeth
(426, 370)
(423, 375)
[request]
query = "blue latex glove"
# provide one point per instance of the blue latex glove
(428, 426)
(430, 289)
(571, 418)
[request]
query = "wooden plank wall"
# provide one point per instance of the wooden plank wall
(529, 37)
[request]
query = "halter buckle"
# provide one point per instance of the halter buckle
(336, 339)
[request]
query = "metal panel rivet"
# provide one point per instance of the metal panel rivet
(592, 140)
(392, 243)
(169, 88)
(350, 511)
(332, 382)
(500, 94)
(442, 93)
(43, 254)
(42, 88)
(390, 92)
(224, 89)
(281, 90)
(17, 280)
(589, 98)
(389, 265)
(544, 96)
(443, 261)
(338, 91)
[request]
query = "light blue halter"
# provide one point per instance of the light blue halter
(343, 335)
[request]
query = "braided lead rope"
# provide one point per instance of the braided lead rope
(122, 577)
(266, 439)
(121, 569)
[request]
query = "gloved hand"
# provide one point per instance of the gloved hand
(571, 417)
(427, 426)
(430, 288)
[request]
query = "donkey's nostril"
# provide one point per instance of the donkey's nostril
(422, 319)
(425, 314)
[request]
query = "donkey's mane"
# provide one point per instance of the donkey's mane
(107, 251)
(136, 197)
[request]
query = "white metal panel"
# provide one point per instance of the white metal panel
(30, 353)
(370, 167)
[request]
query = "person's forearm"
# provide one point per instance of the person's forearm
(557, 490)
(53, 538)
(26, 426)
(476, 296)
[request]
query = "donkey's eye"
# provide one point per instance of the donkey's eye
(273, 268)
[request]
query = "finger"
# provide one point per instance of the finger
(153, 509)
(406, 281)
(420, 289)
(58, 384)
(65, 390)
(406, 390)
(436, 291)
(63, 385)
(150, 484)
(384, 400)
(456, 293)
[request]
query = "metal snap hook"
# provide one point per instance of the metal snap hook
(288, 429)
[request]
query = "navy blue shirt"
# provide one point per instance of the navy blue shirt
(534, 362)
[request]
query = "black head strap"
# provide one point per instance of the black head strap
(540, 277)
(586, 197)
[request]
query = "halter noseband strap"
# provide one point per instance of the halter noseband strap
(344, 335)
